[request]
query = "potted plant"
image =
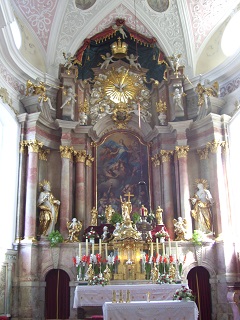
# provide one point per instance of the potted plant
(135, 217)
(116, 217)
(55, 237)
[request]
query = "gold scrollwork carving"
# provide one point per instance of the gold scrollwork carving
(43, 154)
(224, 146)
(66, 152)
(166, 155)
(156, 160)
(23, 145)
(203, 153)
(213, 146)
(34, 146)
(182, 151)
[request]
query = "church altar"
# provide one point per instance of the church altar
(161, 310)
(98, 295)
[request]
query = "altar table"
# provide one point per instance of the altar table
(97, 295)
(154, 310)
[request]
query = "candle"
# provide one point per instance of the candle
(176, 250)
(92, 248)
(163, 249)
(157, 248)
(106, 251)
(86, 247)
(100, 246)
(151, 249)
(80, 250)
(169, 245)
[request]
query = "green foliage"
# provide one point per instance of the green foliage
(198, 237)
(136, 217)
(55, 237)
(116, 217)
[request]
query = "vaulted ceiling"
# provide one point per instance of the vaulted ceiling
(192, 28)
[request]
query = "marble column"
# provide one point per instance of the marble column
(31, 190)
(218, 189)
(156, 181)
(80, 158)
(21, 192)
(66, 188)
(168, 206)
(203, 157)
(89, 188)
(185, 207)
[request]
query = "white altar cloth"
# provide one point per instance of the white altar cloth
(154, 310)
(97, 295)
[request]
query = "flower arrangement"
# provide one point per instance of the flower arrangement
(98, 280)
(197, 237)
(184, 294)
(92, 234)
(55, 237)
(81, 264)
(162, 234)
(165, 278)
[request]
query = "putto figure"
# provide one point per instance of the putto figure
(49, 207)
(74, 228)
(180, 228)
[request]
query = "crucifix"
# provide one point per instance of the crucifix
(129, 195)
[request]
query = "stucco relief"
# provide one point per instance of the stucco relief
(229, 87)
(159, 5)
(11, 80)
(84, 5)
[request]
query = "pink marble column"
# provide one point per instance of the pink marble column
(89, 188)
(31, 191)
(184, 186)
(66, 188)
(80, 158)
(168, 206)
(21, 192)
(218, 189)
(156, 181)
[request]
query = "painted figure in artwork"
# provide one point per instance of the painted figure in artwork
(49, 207)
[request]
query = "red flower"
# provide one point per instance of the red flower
(74, 260)
(171, 259)
(147, 258)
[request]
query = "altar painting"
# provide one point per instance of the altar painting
(122, 167)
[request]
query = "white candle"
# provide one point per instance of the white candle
(106, 251)
(92, 248)
(163, 249)
(169, 245)
(80, 250)
(151, 249)
(176, 250)
(100, 246)
(157, 248)
(86, 247)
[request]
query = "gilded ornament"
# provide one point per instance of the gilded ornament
(34, 146)
(203, 153)
(182, 151)
(161, 106)
(80, 155)
(166, 155)
(89, 160)
(66, 152)
(43, 154)
(156, 160)
(213, 146)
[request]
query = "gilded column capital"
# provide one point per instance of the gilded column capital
(213, 146)
(34, 146)
(80, 156)
(181, 151)
(43, 154)
(23, 145)
(224, 145)
(89, 160)
(66, 152)
(156, 160)
(166, 155)
(203, 153)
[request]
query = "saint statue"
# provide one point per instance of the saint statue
(201, 211)
(107, 274)
(74, 228)
(49, 208)
(108, 213)
(90, 273)
(94, 214)
(158, 215)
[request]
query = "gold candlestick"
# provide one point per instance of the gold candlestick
(120, 296)
(114, 297)
(128, 296)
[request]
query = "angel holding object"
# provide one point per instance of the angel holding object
(69, 60)
(70, 99)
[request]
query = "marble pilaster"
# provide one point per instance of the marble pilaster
(167, 192)
(31, 190)
(66, 188)
(184, 186)
(156, 180)
(89, 188)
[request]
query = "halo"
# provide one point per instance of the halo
(44, 183)
(203, 182)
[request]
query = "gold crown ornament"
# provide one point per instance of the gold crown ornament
(119, 49)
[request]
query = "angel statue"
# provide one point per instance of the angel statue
(49, 207)
(205, 91)
(69, 60)
(180, 228)
(132, 61)
(107, 59)
(74, 228)
(174, 60)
